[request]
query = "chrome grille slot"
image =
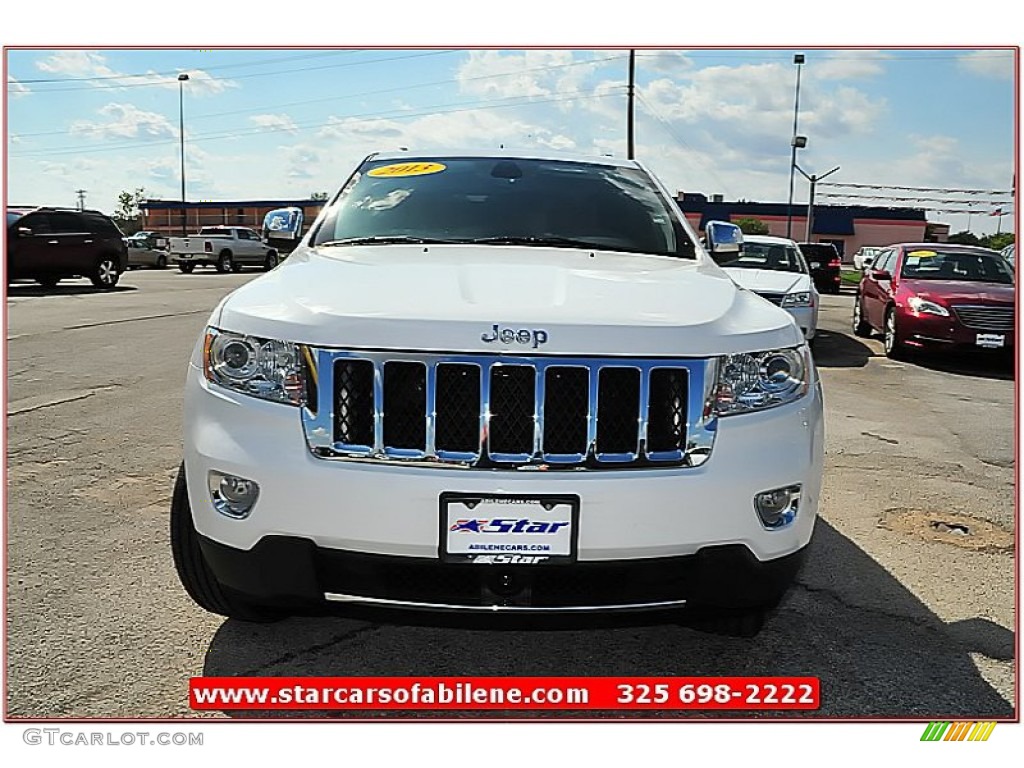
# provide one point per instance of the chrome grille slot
(774, 298)
(986, 317)
(405, 406)
(507, 412)
(512, 412)
(457, 410)
(354, 403)
(618, 414)
(666, 413)
(566, 411)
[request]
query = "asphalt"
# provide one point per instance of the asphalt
(905, 607)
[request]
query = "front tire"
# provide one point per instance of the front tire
(270, 262)
(161, 262)
(894, 348)
(105, 275)
(860, 326)
(193, 572)
(225, 263)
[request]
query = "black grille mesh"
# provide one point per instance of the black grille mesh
(566, 401)
(512, 402)
(405, 405)
(458, 408)
(618, 409)
(666, 413)
(353, 409)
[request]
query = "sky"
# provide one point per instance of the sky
(282, 124)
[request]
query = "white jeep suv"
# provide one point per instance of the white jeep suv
(502, 384)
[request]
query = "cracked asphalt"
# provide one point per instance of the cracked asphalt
(901, 623)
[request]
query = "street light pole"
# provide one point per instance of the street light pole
(798, 59)
(630, 93)
(182, 78)
(810, 202)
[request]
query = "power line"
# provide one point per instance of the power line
(912, 199)
(916, 189)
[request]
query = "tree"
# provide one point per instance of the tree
(751, 226)
(998, 242)
(964, 238)
(127, 215)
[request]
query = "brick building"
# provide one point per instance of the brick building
(165, 216)
(848, 227)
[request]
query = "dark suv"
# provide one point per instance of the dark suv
(50, 244)
(825, 264)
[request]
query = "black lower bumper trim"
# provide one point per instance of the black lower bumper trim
(289, 571)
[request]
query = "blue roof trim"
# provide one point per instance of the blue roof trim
(177, 205)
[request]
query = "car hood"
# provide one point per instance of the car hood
(961, 291)
(451, 297)
(769, 280)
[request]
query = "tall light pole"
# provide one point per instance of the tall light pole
(630, 91)
(798, 59)
(810, 201)
(182, 78)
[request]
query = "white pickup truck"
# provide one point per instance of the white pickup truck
(498, 383)
(226, 248)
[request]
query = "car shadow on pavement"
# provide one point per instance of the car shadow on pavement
(986, 367)
(837, 350)
(16, 290)
(877, 649)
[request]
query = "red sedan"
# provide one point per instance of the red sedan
(937, 296)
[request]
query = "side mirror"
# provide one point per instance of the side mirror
(723, 237)
(880, 274)
(24, 231)
(868, 260)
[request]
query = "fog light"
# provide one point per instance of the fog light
(232, 496)
(777, 508)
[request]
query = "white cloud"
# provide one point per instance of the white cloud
(991, 63)
(846, 65)
(16, 89)
(53, 169)
(280, 122)
(90, 64)
(125, 121)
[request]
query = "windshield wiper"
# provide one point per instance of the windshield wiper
(566, 242)
(385, 240)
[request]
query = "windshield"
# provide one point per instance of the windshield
(775, 256)
(970, 266)
(505, 201)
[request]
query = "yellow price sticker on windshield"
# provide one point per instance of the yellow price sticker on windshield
(923, 254)
(407, 169)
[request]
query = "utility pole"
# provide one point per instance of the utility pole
(630, 91)
(810, 202)
(81, 198)
(798, 59)
(182, 78)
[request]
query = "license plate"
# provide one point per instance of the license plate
(815, 265)
(498, 529)
(991, 340)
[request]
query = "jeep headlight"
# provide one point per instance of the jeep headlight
(264, 368)
(757, 380)
(797, 299)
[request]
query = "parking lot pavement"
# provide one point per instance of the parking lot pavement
(905, 607)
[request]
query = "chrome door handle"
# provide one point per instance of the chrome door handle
(53, 242)
(88, 241)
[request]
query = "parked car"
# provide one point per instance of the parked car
(864, 256)
(53, 244)
(360, 425)
(226, 248)
(774, 268)
(147, 249)
(937, 296)
(1010, 254)
(824, 262)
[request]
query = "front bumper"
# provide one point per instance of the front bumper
(934, 332)
(383, 509)
(293, 572)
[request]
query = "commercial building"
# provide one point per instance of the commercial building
(848, 227)
(165, 216)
